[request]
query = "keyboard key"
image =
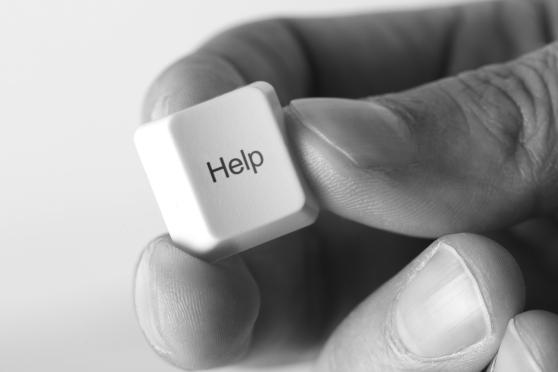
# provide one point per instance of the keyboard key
(222, 173)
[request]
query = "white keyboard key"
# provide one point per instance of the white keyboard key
(222, 173)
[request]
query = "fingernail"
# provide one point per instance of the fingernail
(367, 134)
(514, 355)
(441, 311)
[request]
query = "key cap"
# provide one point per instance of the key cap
(222, 174)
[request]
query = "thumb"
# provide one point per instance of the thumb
(446, 311)
(468, 153)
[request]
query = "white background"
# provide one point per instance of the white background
(75, 208)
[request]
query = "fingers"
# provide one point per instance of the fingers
(195, 315)
(349, 56)
(446, 311)
(469, 153)
(200, 315)
(374, 54)
(261, 307)
(529, 344)
(338, 56)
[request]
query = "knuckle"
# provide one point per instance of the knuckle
(518, 104)
(537, 98)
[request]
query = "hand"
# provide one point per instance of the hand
(475, 152)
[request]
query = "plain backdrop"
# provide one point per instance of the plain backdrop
(75, 207)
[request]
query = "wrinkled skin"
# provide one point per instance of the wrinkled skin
(309, 281)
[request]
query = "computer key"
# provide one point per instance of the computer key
(223, 175)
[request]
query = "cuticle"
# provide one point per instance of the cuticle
(397, 345)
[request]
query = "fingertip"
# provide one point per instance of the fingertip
(498, 277)
(539, 332)
(529, 344)
(189, 81)
(194, 314)
(447, 310)
(457, 302)
(494, 267)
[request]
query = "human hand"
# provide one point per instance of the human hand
(475, 152)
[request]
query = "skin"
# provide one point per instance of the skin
(291, 298)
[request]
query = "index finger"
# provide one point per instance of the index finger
(341, 56)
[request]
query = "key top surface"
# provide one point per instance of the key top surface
(222, 173)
